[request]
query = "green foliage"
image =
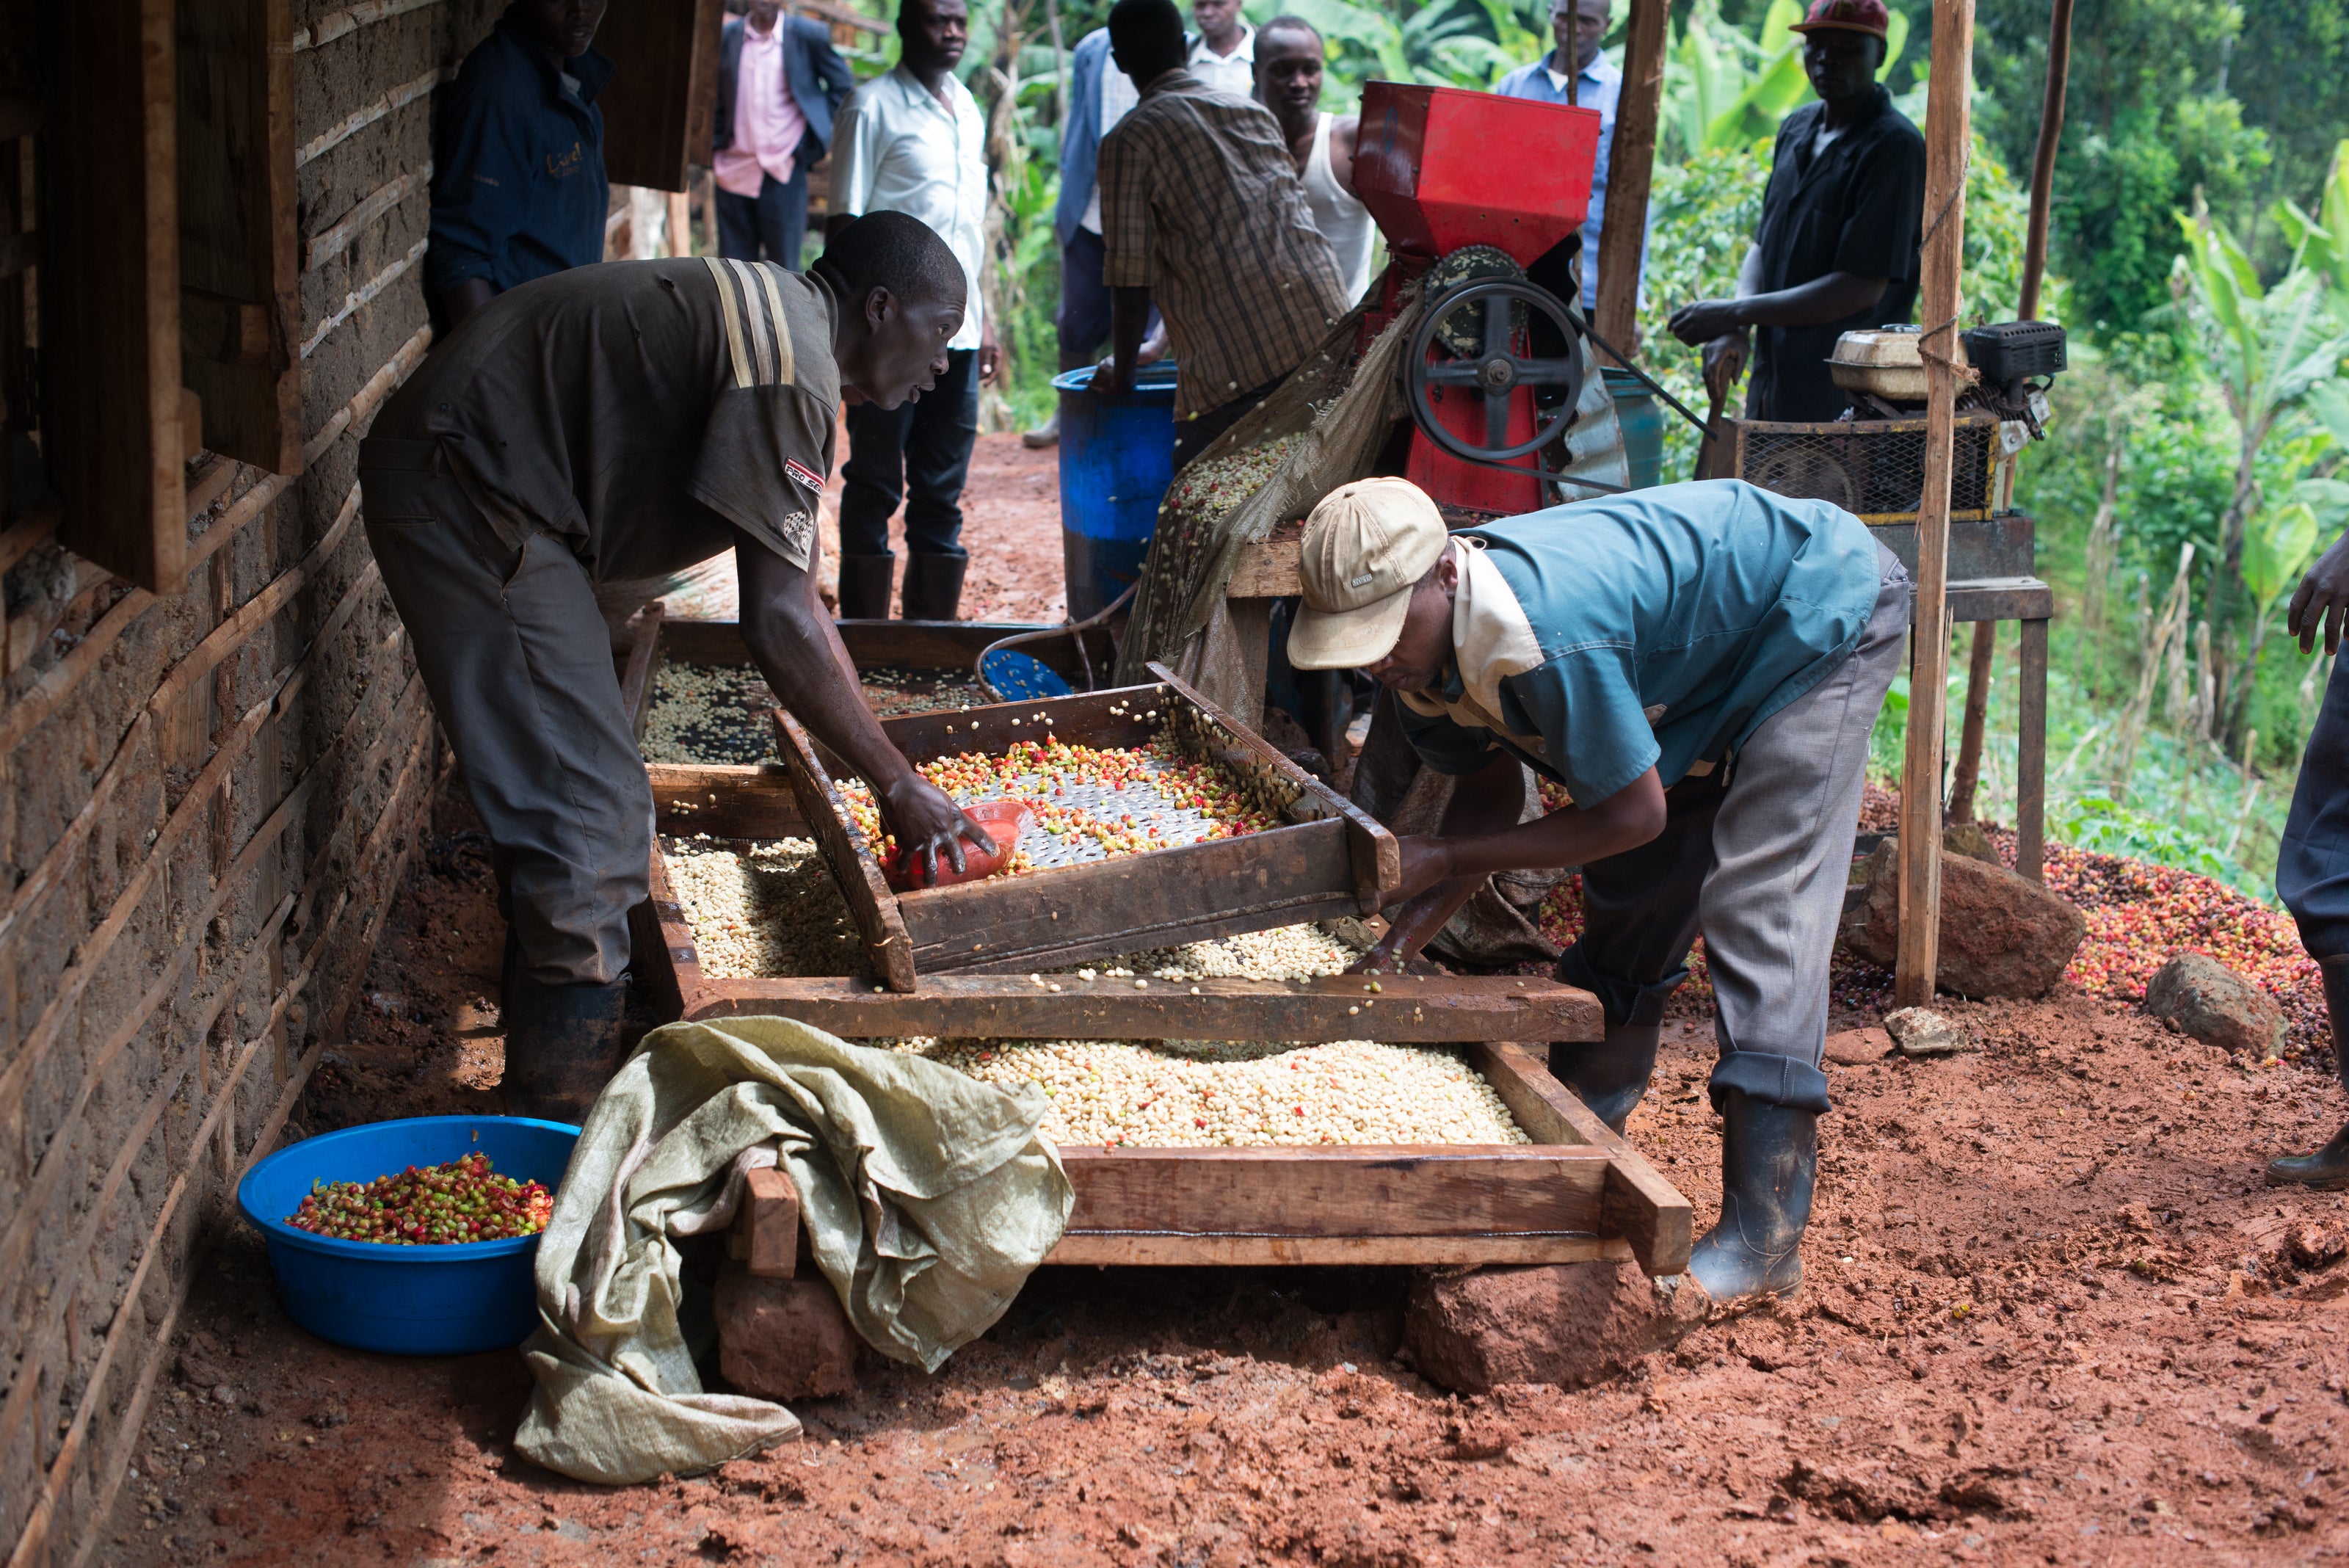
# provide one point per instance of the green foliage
(1724, 89)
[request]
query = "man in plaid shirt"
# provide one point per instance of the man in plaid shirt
(1202, 212)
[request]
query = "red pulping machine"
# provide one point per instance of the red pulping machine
(1482, 200)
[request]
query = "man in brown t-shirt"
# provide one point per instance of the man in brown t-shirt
(624, 421)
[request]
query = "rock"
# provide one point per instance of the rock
(1568, 1323)
(1967, 838)
(784, 1339)
(1857, 1047)
(1917, 1032)
(2217, 1006)
(2002, 934)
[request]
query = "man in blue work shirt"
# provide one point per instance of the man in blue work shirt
(1699, 666)
(519, 191)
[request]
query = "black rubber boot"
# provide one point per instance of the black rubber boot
(934, 587)
(1611, 1074)
(1769, 1165)
(864, 586)
(564, 1043)
(2328, 1167)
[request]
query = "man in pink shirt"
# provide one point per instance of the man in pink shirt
(779, 86)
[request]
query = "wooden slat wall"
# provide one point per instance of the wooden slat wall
(207, 797)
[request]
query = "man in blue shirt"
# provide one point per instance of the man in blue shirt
(518, 189)
(1576, 68)
(1698, 667)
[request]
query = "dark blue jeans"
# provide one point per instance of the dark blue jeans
(2313, 861)
(768, 226)
(918, 452)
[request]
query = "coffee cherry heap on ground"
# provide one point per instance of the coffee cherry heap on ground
(423, 1206)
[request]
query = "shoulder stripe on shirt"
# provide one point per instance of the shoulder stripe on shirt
(758, 335)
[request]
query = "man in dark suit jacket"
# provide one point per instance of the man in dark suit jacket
(779, 86)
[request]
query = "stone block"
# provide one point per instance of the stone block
(784, 1339)
(2206, 999)
(1919, 1032)
(1571, 1325)
(2002, 934)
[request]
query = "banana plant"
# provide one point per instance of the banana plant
(1726, 90)
(2270, 350)
(2322, 244)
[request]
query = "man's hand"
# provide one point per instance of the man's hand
(1111, 376)
(1724, 361)
(927, 824)
(990, 359)
(2321, 600)
(1707, 319)
(1153, 348)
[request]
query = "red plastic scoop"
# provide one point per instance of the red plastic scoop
(1004, 820)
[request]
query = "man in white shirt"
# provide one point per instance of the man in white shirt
(1223, 56)
(913, 142)
(1578, 28)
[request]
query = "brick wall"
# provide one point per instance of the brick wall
(206, 802)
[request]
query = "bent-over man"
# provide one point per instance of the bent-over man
(625, 421)
(1698, 666)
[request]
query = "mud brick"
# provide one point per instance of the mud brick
(784, 1339)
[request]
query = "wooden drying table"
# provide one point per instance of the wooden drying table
(1578, 1192)
(1992, 560)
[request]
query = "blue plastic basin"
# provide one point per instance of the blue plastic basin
(1117, 458)
(407, 1300)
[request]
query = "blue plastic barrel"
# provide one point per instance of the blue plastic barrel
(1642, 419)
(1117, 458)
(450, 1299)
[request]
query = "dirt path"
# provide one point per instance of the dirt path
(2051, 1317)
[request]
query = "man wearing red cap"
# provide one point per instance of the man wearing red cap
(1838, 241)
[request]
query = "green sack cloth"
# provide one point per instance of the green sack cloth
(927, 1196)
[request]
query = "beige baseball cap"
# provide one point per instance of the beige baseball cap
(1366, 545)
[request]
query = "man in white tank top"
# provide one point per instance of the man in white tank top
(1289, 59)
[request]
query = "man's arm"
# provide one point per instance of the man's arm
(1345, 133)
(854, 158)
(830, 70)
(479, 203)
(798, 649)
(1480, 833)
(1129, 321)
(2321, 600)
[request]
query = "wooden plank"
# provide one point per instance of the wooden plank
(1970, 733)
(1267, 570)
(1946, 144)
(736, 802)
(1641, 1207)
(643, 669)
(240, 269)
(1407, 1009)
(1630, 170)
(946, 645)
(361, 409)
(1099, 1250)
(2000, 598)
(869, 903)
(768, 1225)
(2002, 547)
(658, 108)
(2031, 755)
(390, 100)
(111, 288)
(332, 240)
(1376, 857)
(1345, 1191)
(663, 940)
(1189, 893)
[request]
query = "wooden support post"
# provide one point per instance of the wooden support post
(2031, 756)
(2043, 156)
(1947, 136)
(1969, 738)
(680, 224)
(1631, 171)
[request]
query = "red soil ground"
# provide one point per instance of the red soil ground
(2050, 1316)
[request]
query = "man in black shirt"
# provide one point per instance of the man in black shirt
(1840, 232)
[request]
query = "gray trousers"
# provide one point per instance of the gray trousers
(1755, 857)
(519, 665)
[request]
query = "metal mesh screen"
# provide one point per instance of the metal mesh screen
(1874, 468)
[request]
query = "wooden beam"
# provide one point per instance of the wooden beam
(1631, 171)
(1947, 139)
(1970, 734)
(2043, 156)
(736, 801)
(1414, 1009)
